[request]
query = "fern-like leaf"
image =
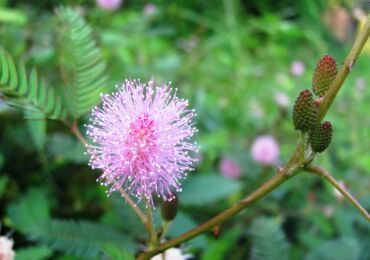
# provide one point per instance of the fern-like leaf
(82, 65)
(28, 91)
(346, 248)
(34, 253)
(30, 213)
(82, 238)
(31, 216)
(365, 251)
(113, 252)
(268, 240)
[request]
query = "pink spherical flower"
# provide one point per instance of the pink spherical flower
(297, 68)
(141, 140)
(265, 150)
(282, 99)
(150, 9)
(229, 168)
(109, 5)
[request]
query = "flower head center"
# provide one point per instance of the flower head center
(142, 135)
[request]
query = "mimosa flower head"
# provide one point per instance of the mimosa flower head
(141, 137)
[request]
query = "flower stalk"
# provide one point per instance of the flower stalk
(327, 176)
(153, 236)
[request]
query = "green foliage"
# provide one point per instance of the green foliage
(3, 182)
(65, 148)
(1, 161)
(220, 248)
(37, 130)
(81, 63)
(229, 59)
(346, 248)
(33, 253)
(207, 188)
(182, 223)
(82, 238)
(112, 252)
(31, 215)
(28, 91)
(132, 225)
(12, 16)
(268, 240)
(365, 252)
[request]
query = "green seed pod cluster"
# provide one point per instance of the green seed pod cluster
(320, 138)
(169, 209)
(324, 75)
(305, 112)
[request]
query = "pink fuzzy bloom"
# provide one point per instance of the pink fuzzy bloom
(141, 140)
(150, 9)
(109, 5)
(229, 168)
(265, 150)
(282, 99)
(297, 68)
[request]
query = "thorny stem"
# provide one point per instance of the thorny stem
(228, 213)
(139, 213)
(288, 171)
(326, 175)
(346, 68)
(282, 175)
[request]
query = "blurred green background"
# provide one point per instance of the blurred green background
(241, 64)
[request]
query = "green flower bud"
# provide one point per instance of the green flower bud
(169, 208)
(324, 75)
(305, 112)
(320, 138)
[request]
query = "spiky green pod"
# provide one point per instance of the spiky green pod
(169, 209)
(320, 138)
(325, 72)
(304, 112)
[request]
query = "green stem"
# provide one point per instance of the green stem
(346, 68)
(262, 191)
(327, 176)
(132, 204)
(153, 236)
(77, 133)
(165, 226)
